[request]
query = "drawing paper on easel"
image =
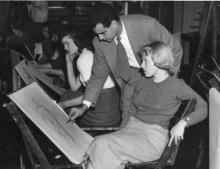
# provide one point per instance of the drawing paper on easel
(51, 120)
(44, 78)
(24, 72)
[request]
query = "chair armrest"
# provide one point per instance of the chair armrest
(186, 107)
(170, 152)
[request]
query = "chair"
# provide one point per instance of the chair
(169, 154)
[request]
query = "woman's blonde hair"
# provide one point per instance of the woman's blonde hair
(161, 55)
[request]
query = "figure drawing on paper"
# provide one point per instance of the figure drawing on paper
(40, 108)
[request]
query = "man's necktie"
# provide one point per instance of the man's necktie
(122, 66)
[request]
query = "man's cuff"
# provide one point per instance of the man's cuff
(87, 103)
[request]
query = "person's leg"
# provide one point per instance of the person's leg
(136, 142)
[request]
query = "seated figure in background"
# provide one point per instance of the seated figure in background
(21, 41)
(79, 51)
(144, 133)
(52, 61)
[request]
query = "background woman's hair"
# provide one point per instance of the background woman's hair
(80, 38)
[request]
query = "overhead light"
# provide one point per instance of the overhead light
(56, 7)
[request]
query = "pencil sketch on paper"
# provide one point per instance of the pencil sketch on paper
(51, 120)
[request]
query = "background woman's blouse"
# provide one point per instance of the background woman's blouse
(84, 65)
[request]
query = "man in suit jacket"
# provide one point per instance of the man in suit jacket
(135, 31)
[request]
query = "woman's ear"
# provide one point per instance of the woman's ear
(148, 51)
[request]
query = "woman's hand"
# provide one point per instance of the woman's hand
(69, 57)
(177, 132)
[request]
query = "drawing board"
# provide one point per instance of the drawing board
(214, 129)
(23, 51)
(32, 66)
(50, 118)
(24, 72)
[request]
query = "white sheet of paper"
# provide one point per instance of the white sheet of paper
(214, 129)
(51, 120)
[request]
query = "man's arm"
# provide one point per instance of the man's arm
(72, 102)
(100, 72)
(127, 94)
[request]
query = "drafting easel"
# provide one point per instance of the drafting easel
(37, 157)
(24, 72)
(44, 78)
(49, 125)
(30, 73)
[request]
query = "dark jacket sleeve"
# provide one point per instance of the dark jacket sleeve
(100, 72)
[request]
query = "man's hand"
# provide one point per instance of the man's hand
(76, 112)
(62, 104)
(177, 132)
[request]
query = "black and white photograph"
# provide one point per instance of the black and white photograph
(109, 84)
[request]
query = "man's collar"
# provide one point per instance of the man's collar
(123, 33)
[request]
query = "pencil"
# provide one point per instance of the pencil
(69, 120)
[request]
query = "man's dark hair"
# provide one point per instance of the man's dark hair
(103, 13)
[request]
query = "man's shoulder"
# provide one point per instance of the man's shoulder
(136, 17)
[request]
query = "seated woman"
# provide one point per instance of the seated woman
(52, 61)
(106, 112)
(20, 41)
(144, 131)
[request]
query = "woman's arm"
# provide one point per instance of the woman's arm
(199, 114)
(51, 71)
(201, 108)
(74, 81)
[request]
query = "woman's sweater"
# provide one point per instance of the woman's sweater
(156, 103)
